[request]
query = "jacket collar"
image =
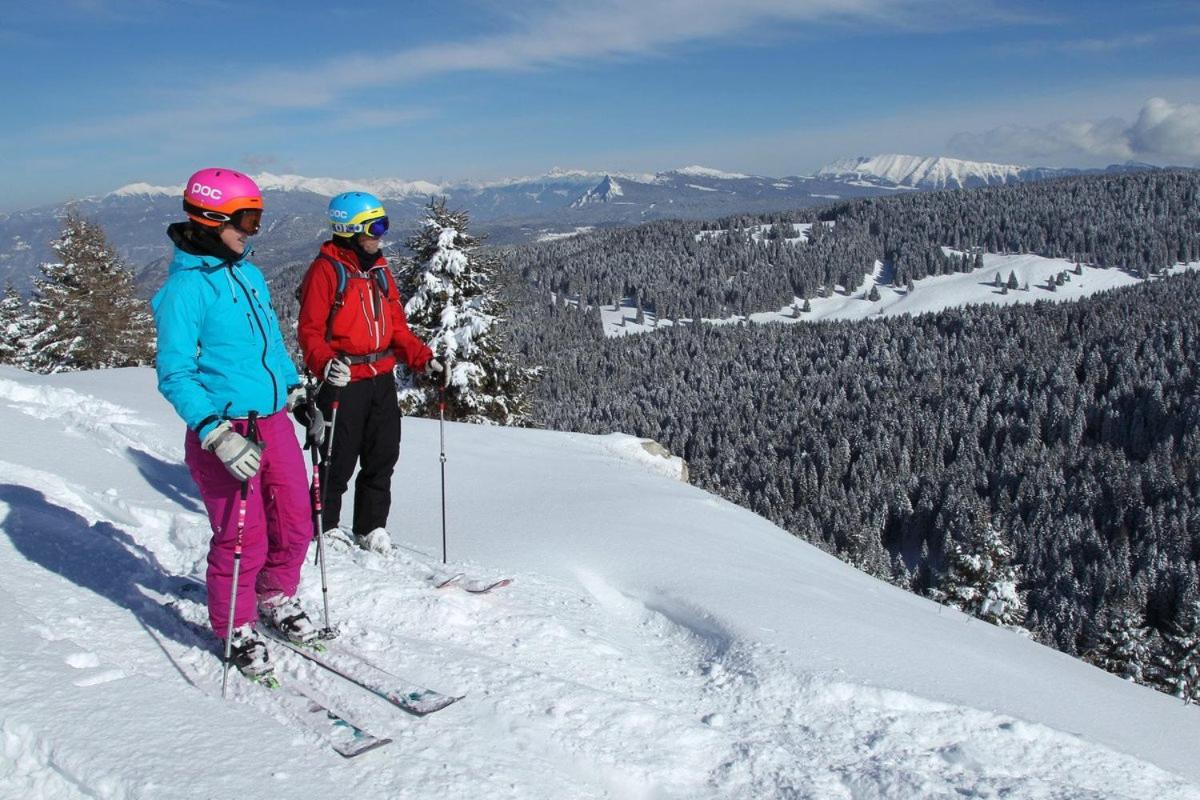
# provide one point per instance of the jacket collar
(187, 256)
(348, 255)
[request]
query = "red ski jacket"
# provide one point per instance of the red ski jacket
(369, 325)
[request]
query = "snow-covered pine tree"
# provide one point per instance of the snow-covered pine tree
(1126, 646)
(980, 578)
(1179, 656)
(454, 307)
(15, 328)
(84, 312)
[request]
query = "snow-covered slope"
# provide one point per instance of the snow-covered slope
(657, 642)
(920, 172)
(936, 293)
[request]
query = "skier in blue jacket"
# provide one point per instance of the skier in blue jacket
(221, 357)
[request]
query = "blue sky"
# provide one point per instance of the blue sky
(100, 93)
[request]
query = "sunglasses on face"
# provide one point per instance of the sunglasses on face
(374, 228)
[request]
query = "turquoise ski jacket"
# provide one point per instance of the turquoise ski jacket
(220, 352)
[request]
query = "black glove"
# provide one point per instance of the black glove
(309, 416)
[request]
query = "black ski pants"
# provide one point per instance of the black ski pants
(367, 430)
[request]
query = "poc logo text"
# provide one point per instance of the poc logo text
(206, 191)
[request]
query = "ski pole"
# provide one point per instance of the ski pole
(442, 437)
(251, 434)
(319, 525)
(328, 461)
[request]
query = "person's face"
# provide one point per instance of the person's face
(369, 244)
(234, 239)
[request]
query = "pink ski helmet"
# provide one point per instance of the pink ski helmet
(215, 195)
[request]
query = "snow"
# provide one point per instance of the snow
(932, 294)
(603, 192)
(706, 172)
(556, 174)
(913, 171)
(548, 236)
(701, 188)
(328, 187)
(657, 642)
(759, 233)
(141, 188)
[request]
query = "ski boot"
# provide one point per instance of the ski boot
(377, 541)
(249, 654)
(285, 615)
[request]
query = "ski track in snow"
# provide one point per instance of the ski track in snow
(582, 690)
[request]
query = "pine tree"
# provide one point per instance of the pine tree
(84, 312)
(1125, 646)
(1179, 657)
(15, 328)
(454, 307)
(980, 578)
(1012, 280)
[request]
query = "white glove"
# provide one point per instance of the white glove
(296, 396)
(239, 455)
(433, 367)
(337, 372)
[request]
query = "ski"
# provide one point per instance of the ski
(416, 700)
(482, 586)
(442, 580)
(347, 738)
(472, 585)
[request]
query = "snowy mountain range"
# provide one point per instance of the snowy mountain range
(656, 641)
(511, 211)
(918, 172)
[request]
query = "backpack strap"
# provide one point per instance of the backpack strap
(339, 297)
(381, 279)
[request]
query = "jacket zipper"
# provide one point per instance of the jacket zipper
(266, 341)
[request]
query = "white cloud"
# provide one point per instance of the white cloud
(574, 32)
(539, 35)
(1163, 133)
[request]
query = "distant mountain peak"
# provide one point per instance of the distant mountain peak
(602, 192)
(141, 188)
(696, 171)
(267, 181)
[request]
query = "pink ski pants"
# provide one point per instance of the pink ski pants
(278, 520)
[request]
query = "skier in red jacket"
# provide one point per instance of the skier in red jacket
(352, 329)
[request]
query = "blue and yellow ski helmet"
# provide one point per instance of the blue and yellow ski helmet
(357, 212)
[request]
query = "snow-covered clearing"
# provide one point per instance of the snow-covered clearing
(554, 236)
(931, 294)
(657, 642)
(761, 233)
